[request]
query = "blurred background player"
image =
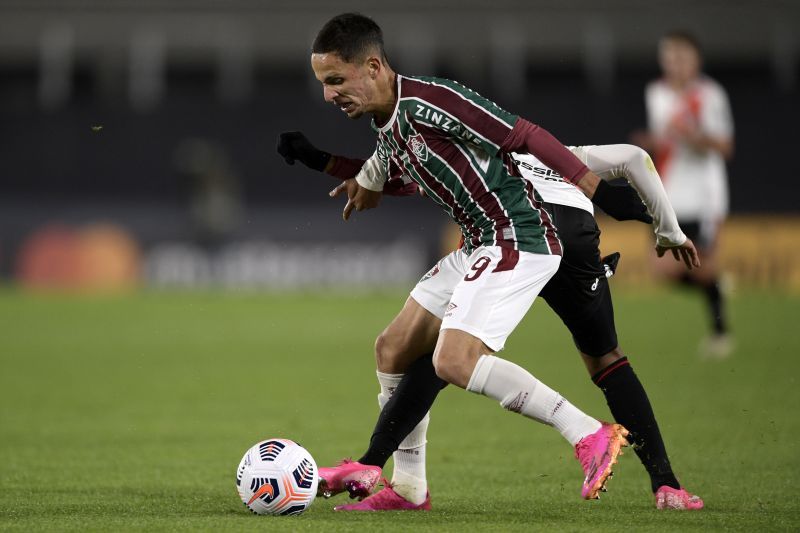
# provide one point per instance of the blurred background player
(691, 134)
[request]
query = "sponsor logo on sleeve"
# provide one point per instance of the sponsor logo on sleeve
(432, 272)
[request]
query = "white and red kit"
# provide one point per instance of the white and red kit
(696, 181)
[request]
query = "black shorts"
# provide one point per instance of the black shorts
(579, 291)
(702, 233)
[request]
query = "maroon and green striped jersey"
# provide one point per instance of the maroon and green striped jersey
(448, 139)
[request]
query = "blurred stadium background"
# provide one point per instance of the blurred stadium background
(137, 137)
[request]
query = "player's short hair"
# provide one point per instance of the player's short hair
(350, 35)
(685, 37)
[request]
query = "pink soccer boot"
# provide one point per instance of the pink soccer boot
(598, 453)
(680, 499)
(386, 499)
(350, 476)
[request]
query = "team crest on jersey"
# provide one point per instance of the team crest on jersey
(418, 147)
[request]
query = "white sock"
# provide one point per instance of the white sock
(388, 383)
(408, 479)
(517, 390)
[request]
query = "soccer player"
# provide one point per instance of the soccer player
(579, 293)
(691, 134)
(456, 146)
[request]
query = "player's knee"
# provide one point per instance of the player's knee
(445, 363)
(388, 351)
(438, 367)
(594, 365)
(443, 370)
(611, 356)
(616, 353)
(382, 355)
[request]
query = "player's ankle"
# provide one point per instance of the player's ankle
(656, 482)
(411, 488)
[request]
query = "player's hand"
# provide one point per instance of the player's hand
(358, 197)
(683, 129)
(294, 146)
(621, 202)
(686, 252)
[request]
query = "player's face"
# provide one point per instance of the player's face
(349, 86)
(679, 60)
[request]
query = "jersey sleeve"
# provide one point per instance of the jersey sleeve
(346, 168)
(458, 112)
(528, 137)
(632, 163)
(372, 175)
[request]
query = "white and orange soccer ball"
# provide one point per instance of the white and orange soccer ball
(277, 476)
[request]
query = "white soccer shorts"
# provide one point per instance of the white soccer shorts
(485, 293)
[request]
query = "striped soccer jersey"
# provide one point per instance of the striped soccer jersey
(447, 139)
(696, 180)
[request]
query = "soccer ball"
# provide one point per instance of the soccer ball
(277, 476)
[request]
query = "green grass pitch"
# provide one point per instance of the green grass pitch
(132, 412)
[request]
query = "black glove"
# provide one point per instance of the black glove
(621, 202)
(294, 146)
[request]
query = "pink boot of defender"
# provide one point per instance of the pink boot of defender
(386, 499)
(598, 453)
(680, 499)
(350, 476)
